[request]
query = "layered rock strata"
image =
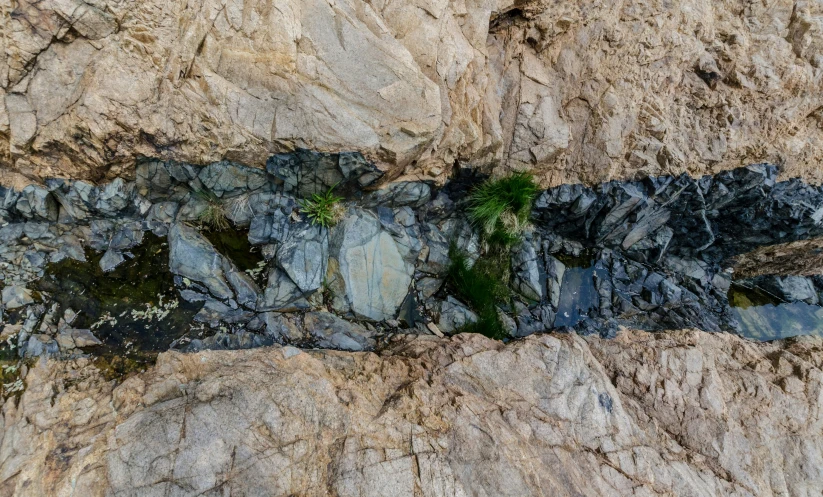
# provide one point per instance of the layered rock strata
(654, 254)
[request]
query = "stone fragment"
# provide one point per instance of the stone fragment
(400, 194)
(70, 338)
(281, 329)
(126, 235)
(192, 256)
(281, 294)
(554, 279)
(114, 198)
(110, 260)
(15, 296)
(229, 180)
(304, 256)
(789, 288)
(454, 315)
(526, 271)
(305, 172)
(332, 332)
(36, 202)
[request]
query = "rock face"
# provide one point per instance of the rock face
(576, 90)
(685, 413)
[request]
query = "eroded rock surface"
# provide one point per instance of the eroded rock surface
(685, 413)
(575, 90)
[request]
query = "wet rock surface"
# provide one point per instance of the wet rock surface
(682, 413)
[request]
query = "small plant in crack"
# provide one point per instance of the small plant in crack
(214, 214)
(323, 209)
(239, 206)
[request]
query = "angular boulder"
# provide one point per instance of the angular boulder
(369, 267)
(192, 256)
(304, 256)
(334, 333)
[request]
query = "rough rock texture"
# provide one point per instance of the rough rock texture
(369, 269)
(577, 90)
(683, 414)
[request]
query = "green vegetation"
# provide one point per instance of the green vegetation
(501, 208)
(214, 214)
(323, 208)
(482, 286)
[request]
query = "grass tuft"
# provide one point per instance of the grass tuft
(481, 286)
(323, 208)
(501, 208)
(214, 214)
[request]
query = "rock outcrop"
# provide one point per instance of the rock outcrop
(575, 90)
(685, 413)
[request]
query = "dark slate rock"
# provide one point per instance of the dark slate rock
(372, 271)
(215, 312)
(281, 329)
(789, 288)
(8, 204)
(76, 200)
(331, 332)
(192, 256)
(229, 341)
(110, 260)
(161, 215)
(305, 172)
(68, 246)
(526, 272)
(400, 194)
(454, 315)
(114, 198)
(126, 235)
(36, 202)
(225, 179)
(101, 232)
(281, 294)
(304, 256)
(15, 296)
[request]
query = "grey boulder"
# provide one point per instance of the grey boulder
(334, 333)
(454, 315)
(192, 256)
(526, 272)
(304, 256)
(15, 296)
(369, 267)
(36, 202)
(281, 294)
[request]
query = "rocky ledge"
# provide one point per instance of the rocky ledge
(685, 413)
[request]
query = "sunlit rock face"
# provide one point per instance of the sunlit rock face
(575, 90)
(686, 413)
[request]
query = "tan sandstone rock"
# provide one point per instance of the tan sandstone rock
(575, 90)
(684, 413)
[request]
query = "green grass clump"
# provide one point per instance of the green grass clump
(481, 286)
(323, 208)
(214, 215)
(501, 208)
